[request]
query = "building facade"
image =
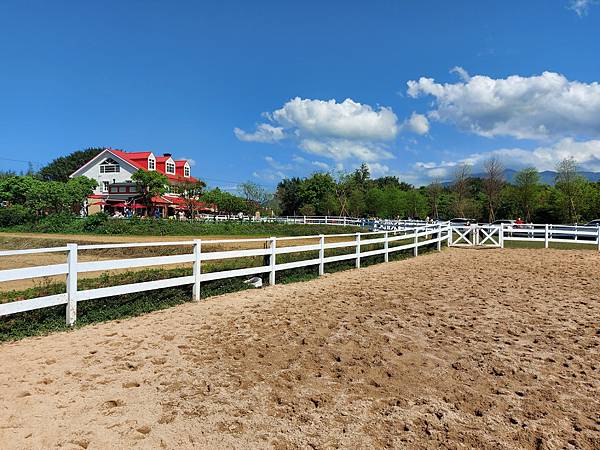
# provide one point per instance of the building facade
(116, 191)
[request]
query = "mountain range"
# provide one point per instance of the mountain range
(546, 176)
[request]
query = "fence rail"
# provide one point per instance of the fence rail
(413, 236)
(375, 224)
(416, 236)
(497, 235)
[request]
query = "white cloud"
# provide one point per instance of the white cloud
(345, 120)
(581, 7)
(536, 107)
(320, 165)
(341, 149)
(345, 130)
(418, 123)
(264, 133)
(462, 73)
(585, 153)
(277, 165)
(378, 170)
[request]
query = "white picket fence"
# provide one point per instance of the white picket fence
(72, 267)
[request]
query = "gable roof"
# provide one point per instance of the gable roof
(139, 160)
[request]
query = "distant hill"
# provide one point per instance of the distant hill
(546, 177)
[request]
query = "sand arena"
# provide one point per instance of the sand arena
(467, 348)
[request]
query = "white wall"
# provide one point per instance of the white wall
(94, 172)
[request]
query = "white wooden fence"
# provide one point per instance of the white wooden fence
(498, 235)
(375, 224)
(416, 235)
(72, 267)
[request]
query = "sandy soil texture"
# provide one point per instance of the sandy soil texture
(464, 349)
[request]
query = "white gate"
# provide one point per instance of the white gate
(475, 236)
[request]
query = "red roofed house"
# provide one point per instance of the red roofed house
(112, 169)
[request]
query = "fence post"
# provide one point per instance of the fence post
(344, 220)
(322, 254)
(358, 250)
(501, 235)
(449, 241)
(386, 247)
(71, 284)
(272, 261)
(546, 236)
(197, 268)
(439, 238)
(416, 249)
(325, 220)
(598, 237)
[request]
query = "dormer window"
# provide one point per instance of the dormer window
(186, 171)
(109, 165)
(151, 164)
(170, 167)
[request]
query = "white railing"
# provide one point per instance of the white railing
(72, 267)
(376, 224)
(497, 235)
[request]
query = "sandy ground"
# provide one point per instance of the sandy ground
(464, 349)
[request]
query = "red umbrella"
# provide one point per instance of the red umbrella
(119, 205)
(102, 203)
(138, 206)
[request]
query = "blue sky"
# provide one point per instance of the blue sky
(266, 89)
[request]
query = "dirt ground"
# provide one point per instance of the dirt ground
(463, 349)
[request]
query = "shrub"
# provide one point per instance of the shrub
(93, 222)
(15, 215)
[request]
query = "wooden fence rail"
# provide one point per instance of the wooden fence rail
(416, 236)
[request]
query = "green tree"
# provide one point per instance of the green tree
(570, 185)
(150, 184)
(255, 193)
(190, 192)
(61, 168)
(527, 191)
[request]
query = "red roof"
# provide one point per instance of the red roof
(140, 160)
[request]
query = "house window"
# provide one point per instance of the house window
(105, 186)
(122, 189)
(151, 164)
(186, 171)
(170, 167)
(109, 165)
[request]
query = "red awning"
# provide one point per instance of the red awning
(119, 205)
(102, 203)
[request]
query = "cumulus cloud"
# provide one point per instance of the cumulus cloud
(338, 131)
(264, 133)
(345, 120)
(537, 107)
(418, 123)
(585, 153)
(378, 170)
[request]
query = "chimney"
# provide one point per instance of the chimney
(167, 155)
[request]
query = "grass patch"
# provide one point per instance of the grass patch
(553, 245)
